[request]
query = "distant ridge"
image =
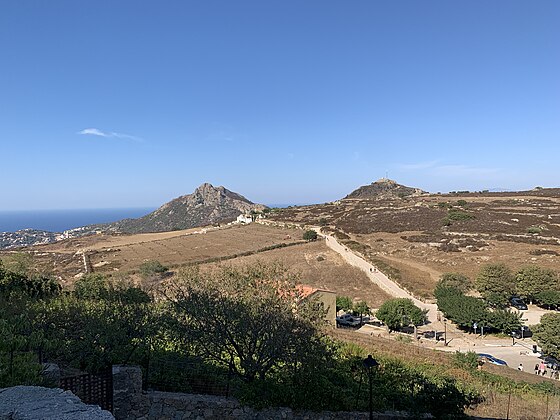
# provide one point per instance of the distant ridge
(385, 188)
(205, 206)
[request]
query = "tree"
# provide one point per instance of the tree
(400, 312)
(548, 298)
(533, 279)
(504, 320)
(457, 281)
(496, 284)
(250, 319)
(461, 309)
(361, 308)
(310, 235)
(344, 303)
(547, 334)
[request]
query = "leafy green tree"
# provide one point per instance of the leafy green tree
(532, 279)
(309, 235)
(361, 308)
(548, 298)
(462, 310)
(496, 284)
(547, 334)
(457, 281)
(344, 303)
(251, 319)
(504, 320)
(400, 312)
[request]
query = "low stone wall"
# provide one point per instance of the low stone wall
(130, 403)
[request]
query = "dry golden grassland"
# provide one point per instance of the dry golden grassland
(321, 268)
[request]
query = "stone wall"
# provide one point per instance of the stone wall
(130, 403)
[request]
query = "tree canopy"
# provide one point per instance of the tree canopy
(496, 284)
(547, 334)
(400, 312)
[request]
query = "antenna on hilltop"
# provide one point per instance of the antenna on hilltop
(386, 174)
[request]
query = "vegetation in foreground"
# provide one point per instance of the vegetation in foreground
(250, 324)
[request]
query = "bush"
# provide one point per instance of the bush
(152, 269)
(310, 235)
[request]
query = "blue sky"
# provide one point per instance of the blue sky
(132, 103)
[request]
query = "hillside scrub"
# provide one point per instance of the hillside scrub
(240, 321)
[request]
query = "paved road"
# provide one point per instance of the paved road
(377, 276)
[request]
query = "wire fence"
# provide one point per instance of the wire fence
(186, 375)
(516, 406)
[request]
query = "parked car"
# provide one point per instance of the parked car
(518, 303)
(348, 320)
(491, 359)
(552, 362)
(523, 332)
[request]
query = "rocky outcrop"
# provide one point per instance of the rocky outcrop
(38, 403)
(385, 189)
(205, 206)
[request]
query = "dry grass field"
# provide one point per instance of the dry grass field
(125, 253)
(417, 239)
(321, 268)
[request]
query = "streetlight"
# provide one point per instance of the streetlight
(369, 364)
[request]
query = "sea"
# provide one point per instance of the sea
(61, 220)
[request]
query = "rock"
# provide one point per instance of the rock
(38, 403)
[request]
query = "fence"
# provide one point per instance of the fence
(188, 376)
(91, 389)
(516, 406)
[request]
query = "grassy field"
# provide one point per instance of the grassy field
(322, 268)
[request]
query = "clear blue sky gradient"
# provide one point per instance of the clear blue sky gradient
(282, 101)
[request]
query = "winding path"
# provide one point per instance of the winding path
(377, 276)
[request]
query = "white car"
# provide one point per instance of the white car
(348, 320)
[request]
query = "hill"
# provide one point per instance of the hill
(385, 188)
(205, 206)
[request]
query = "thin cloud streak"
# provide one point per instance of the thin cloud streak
(434, 168)
(99, 133)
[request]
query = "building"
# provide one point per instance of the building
(326, 298)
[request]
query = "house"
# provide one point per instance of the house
(326, 298)
(244, 218)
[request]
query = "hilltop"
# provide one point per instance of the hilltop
(205, 206)
(385, 188)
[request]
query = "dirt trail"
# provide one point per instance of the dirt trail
(377, 276)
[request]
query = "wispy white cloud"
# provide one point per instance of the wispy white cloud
(436, 168)
(99, 133)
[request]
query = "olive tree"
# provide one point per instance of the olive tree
(250, 319)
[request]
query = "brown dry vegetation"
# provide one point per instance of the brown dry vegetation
(415, 240)
(321, 268)
(126, 253)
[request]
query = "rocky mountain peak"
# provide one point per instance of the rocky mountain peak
(385, 188)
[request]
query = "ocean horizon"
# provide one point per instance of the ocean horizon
(61, 220)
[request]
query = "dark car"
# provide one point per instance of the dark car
(552, 362)
(523, 332)
(492, 359)
(518, 303)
